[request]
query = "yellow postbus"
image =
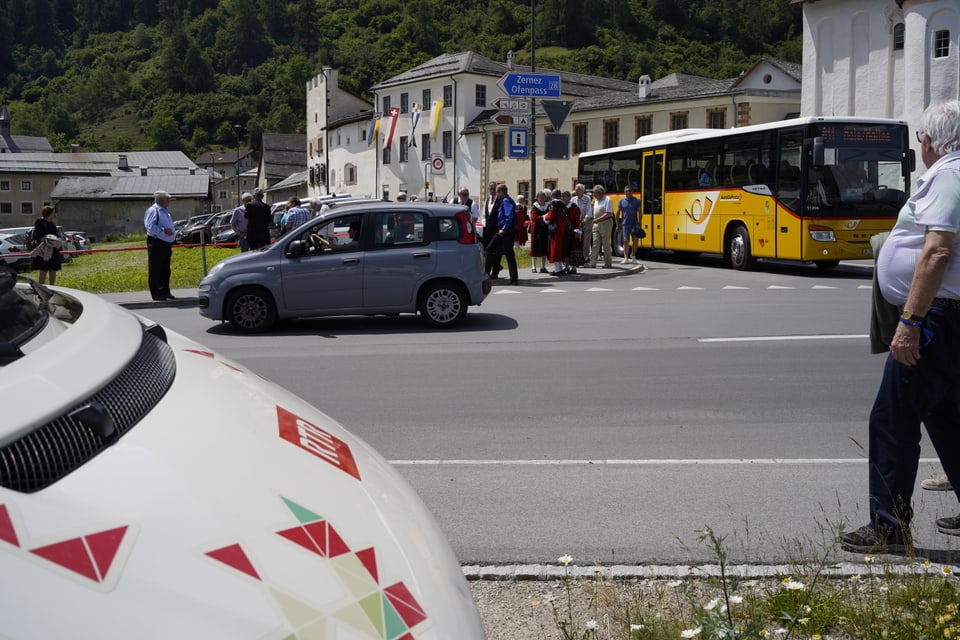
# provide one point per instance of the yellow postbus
(811, 189)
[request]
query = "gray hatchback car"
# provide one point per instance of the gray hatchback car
(363, 259)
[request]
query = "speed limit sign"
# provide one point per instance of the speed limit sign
(436, 164)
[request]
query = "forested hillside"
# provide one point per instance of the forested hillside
(178, 74)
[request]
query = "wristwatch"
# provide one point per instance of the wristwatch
(908, 316)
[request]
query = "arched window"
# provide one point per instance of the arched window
(898, 30)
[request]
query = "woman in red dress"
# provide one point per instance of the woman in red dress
(574, 239)
(557, 224)
(539, 239)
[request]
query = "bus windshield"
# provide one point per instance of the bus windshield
(862, 172)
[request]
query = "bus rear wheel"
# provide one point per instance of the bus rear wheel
(738, 249)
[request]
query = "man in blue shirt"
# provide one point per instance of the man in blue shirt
(160, 235)
(628, 210)
(294, 216)
(502, 243)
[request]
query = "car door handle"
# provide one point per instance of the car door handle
(351, 261)
(420, 256)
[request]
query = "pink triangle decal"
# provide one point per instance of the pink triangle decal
(368, 557)
(70, 554)
(7, 532)
(234, 556)
(405, 604)
(103, 547)
(207, 354)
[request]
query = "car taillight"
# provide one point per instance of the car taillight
(468, 234)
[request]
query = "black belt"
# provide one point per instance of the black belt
(946, 303)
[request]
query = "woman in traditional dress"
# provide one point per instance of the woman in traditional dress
(539, 238)
(557, 224)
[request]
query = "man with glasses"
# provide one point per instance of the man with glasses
(917, 270)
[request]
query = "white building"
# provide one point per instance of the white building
(460, 138)
(879, 58)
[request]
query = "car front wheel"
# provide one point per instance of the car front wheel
(443, 305)
(251, 310)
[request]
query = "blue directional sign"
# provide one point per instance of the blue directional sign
(518, 143)
(530, 85)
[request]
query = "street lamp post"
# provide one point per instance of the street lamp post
(236, 131)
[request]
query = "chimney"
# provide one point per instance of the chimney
(644, 87)
(122, 163)
(510, 59)
(74, 148)
(143, 171)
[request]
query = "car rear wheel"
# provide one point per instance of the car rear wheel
(442, 305)
(251, 310)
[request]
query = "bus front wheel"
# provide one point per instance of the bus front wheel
(826, 265)
(738, 249)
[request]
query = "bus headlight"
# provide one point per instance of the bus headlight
(822, 234)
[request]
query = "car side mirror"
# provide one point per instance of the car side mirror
(295, 249)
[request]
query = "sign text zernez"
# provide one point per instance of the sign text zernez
(530, 85)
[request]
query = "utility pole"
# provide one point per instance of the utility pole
(236, 131)
(533, 105)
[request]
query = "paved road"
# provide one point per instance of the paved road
(613, 419)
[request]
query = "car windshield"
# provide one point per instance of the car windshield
(23, 313)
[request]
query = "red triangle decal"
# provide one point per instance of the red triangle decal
(103, 547)
(208, 354)
(7, 532)
(406, 636)
(336, 545)
(299, 536)
(368, 557)
(234, 556)
(318, 533)
(406, 605)
(70, 554)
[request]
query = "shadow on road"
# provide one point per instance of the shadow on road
(373, 325)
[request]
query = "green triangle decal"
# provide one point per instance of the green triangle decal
(373, 607)
(302, 514)
(297, 612)
(395, 625)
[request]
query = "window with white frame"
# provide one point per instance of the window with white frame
(26, 208)
(4, 185)
(447, 95)
(480, 98)
(404, 151)
(404, 103)
(26, 185)
(424, 147)
(350, 174)
(427, 99)
(898, 36)
(448, 144)
(941, 43)
(6, 208)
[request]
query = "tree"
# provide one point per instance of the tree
(164, 134)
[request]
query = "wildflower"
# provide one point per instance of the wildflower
(815, 636)
(868, 558)
(780, 631)
(944, 619)
(564, 560)
(807, 609)
(855, 577)
(592, 624)
(637, 627)
(764, 633)
(946, 570)
(710, 606)
(691, 633)
(884, 587)
(803, 620)
(736, 599)
(675, 583)
(794, 585)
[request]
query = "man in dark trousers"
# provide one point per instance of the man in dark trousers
(160, 234)
(258, 221)
(501, 242)
(490, 230)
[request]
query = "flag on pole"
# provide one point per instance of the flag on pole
(394, 116)
(414, 119)
(437, 107)
(374, 128)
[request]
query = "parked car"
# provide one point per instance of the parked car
(127, 500)
(197, 232)
(80, 239)
(14, 243)
(402, 258)
(68, 247)
(225, 237)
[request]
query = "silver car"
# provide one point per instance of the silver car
(363, 259)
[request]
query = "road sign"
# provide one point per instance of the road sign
(530, 85)
(557, 111)
(436, 164)
(506, 118)
(510, 105)
(518, 143)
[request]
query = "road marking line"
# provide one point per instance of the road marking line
(778, 286)
(823, 286)
(730, 286)
(686, 288)
(844, 336)
(639, 463)
(645, 289)
(599, 289)
(499, 291)
(552, 290)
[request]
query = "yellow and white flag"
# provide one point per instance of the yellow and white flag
(437, 108)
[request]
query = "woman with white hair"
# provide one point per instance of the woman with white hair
(539, 235)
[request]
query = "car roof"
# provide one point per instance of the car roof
(433, 208)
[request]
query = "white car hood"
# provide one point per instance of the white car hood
(233, 509)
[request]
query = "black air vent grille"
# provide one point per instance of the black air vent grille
(49, 453)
